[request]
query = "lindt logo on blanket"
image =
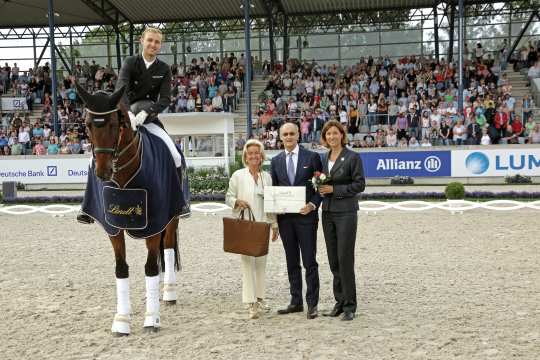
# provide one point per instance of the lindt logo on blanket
(132, 210)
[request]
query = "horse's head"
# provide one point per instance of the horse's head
(106, 118)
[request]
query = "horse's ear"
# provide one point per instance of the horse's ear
(85, 96)
(117, 96)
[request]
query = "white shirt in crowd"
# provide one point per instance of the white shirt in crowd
(485, 140)
(24, 137)
(343, 118)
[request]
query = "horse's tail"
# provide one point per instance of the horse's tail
(176, 251)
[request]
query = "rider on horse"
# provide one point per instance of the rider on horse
(148, 87)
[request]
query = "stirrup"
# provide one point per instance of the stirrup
(84, 219)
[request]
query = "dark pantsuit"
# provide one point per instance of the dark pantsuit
(299, 238)
(340, 237)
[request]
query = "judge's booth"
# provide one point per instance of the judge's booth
(207, 139)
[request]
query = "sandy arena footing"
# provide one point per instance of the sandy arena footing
(430, 285)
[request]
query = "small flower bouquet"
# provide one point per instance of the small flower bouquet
(319, 179)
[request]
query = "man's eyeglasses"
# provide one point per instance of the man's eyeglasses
(288, 134)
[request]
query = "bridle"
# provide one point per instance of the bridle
(100, 122)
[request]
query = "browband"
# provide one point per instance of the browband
(100, 113)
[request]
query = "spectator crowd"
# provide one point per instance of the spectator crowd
(207, 85)
(408, 102)
(381, 102)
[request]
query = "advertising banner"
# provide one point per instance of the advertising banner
(44, 170)
(13, 103)
(406, 163)
(478, 163)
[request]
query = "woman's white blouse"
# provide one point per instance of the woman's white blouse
(242, 186)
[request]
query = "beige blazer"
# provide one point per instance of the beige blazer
(242, 187)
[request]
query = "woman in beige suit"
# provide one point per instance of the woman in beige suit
(246, 190)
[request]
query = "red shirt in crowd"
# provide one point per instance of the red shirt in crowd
(501, 120)
(517, 127)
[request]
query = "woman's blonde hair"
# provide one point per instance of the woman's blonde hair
(253, 142)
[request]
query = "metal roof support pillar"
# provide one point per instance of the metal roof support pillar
(71, 57)
(174, 50)
(461, 42)
(131, 30)
(436, 29)
(118, 49)
(184, 50)
(247, 75)
(108, 49)
(52, 47)
(379, 27)
(271, 40)
(510, 24)
(422, 37)
(260, 47)
(299, 45)
(451, 30)
(339, 48)
(221, 36)
(285, 40)
(34, 48)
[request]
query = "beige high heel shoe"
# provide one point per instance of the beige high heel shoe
(254, 311)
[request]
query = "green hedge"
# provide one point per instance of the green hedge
(455, 191)
(212, 180)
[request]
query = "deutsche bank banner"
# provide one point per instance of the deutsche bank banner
(475, 163)
(38, 170)
(406, 163)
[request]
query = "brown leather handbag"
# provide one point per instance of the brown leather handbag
(245, 237)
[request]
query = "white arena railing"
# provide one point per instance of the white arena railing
(212, 208)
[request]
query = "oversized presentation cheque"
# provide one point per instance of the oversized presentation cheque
(284, 199)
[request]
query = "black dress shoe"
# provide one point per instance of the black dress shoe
(312, 312)
(84, 219)
(347, 316)
(334, 313)
(291, 309)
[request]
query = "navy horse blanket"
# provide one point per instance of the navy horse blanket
(153, 197)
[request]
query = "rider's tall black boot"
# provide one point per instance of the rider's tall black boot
(84, 219)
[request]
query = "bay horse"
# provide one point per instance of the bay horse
(117, 160)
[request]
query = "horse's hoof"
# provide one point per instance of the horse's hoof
(169, 302)
(151, 329)
(119, 334)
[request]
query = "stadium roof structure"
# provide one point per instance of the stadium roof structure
(33, 13)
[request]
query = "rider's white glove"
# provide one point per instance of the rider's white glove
(137, 120)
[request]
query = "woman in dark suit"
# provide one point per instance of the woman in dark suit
(339, 215)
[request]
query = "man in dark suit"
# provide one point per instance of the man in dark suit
(474, 132)
(295, 167)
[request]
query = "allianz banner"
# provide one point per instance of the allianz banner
(406, 163)
(506, 161)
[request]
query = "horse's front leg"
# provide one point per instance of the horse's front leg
(122, 319)
(151, 269)
(171, 256)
